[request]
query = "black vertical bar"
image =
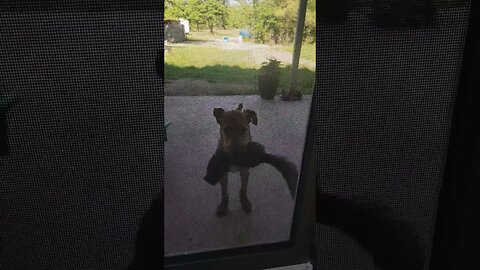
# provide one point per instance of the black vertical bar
(450, 245)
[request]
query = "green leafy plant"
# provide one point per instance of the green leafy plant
(270, 67)
(269, 78)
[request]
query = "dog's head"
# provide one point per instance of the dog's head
(235, 127)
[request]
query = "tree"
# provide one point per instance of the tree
(266, 25)
(267, 19)
(192, 13)
(310, 34)
(198, 12)
(241, 15)
(276, 19)
(212, 11)
(174, 9)
(224, 15)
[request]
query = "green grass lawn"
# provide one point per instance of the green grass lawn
(209, 63)
(220, 65)
(307, 52)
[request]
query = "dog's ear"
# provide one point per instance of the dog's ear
(240, 107)
(251, 116)
(218, 113)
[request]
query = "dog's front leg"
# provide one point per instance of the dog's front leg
(222, 208)
(246, 205)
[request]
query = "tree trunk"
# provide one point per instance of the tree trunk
(223, 15)
(211, 28)
(255, 11)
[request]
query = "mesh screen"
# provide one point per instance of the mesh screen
(85, 134)
(384, 105)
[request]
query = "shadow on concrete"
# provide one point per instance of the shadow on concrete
(149, 239)
(393, 244)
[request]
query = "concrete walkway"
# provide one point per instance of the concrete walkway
(190, 203)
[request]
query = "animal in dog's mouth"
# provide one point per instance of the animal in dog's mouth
(236, 152)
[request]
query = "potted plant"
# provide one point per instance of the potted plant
(268, 78)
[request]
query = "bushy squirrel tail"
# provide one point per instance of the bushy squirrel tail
(287, 168)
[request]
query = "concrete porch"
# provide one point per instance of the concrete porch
(190, 221)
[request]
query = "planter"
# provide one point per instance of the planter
(267, 86)
(269, 78)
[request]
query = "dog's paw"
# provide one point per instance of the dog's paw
(222, 210)
(246, 205)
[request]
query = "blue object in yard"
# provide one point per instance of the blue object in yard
(225, 39)
(245, 34)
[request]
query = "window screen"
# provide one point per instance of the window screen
(387, 77)
(85, 132)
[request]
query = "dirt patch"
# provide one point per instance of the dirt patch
(190, 87)
(219, 43)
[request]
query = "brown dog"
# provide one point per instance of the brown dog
(234, 136)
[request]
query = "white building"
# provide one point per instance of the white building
(186, 25)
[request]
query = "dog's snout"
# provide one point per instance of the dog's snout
(233, 146)
(234, 131)
(227, 145)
